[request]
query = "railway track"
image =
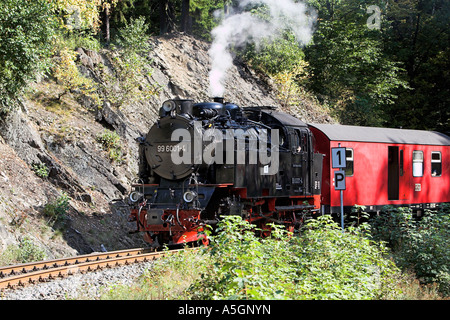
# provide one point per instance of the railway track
(29, 273)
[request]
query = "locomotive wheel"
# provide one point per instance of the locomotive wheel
(266, 230)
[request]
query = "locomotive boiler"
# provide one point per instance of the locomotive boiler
(201, 161)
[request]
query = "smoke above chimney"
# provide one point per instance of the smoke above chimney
(238, 28)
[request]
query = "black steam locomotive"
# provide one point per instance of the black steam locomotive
(201, 161)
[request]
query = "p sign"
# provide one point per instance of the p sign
(339, 180)
(338, 158)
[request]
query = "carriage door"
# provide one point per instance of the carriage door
(393, 173)
(398, 179)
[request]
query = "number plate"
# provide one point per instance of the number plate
(170, 148)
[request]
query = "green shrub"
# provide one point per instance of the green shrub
(110, 142)
(41, 170)
(422, 246)
(26, 32)
(66, 71)
(131, 80)
(323, 263)
(25, 251)
(58, 209)
(133, 36)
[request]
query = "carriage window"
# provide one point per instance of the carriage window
(349, 161)
(436, 164)
(417, 163)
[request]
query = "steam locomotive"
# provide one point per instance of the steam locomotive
(201, 161)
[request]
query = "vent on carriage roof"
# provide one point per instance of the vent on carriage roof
(382, 135)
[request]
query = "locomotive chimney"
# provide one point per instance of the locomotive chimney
(186, 106)
(218, 99)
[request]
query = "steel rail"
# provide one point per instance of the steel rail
(26, 273)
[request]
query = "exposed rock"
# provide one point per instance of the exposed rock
(61, 134)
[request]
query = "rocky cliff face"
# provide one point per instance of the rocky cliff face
(61, 136)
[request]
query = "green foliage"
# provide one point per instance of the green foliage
(26, 32)
(323, 263)
(349, 64)
(69, 77)
(25, 251)
(133, 37)
(41, 170)
(130, 80)
(28, 251)
(279, 56)
(290, 92)
(110, 142)
(396, 75)
(202, 16)
(418, 38)
(120, 11)
(57, 210)
(79, 39)
(168, 278)
(422, 246)
(78, 14)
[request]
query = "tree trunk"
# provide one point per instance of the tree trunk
(107, 36)
(185, 25)
(165, 16)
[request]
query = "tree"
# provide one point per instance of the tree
(419, 38)
(166, 16)
(202, 16)
(116, 10)
(26, 31)
(351, 70)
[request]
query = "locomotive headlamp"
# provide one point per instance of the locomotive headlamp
(169, 105)
(135, 196)
(189, 196)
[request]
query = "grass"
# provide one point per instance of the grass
(168, 279)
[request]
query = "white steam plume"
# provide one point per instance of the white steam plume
(240, 28)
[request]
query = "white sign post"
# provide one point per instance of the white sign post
(338, 160)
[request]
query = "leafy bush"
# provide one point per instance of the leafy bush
(85, 39)
(110, 141)
(58, 209)
(281, 55)
(422, 246)
(66, 72)
(130, 81)
(41, 170)
(133, 37)
(323, 263)
(26, 30)
(25, 251)
(289, 91)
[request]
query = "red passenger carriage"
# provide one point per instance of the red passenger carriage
(385, 167)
